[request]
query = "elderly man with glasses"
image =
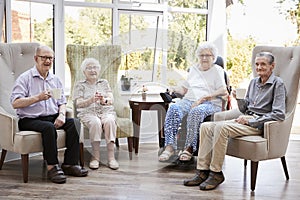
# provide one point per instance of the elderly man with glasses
(39, 110)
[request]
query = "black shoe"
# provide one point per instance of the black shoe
(200, 177)
(74, 170)
(56, 175)
(214, 179)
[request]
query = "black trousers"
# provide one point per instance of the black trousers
(45, 125)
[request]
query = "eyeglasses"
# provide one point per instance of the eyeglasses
(90, 68)
(44, 58)
(205, 56)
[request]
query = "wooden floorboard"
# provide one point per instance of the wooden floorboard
(146, 178)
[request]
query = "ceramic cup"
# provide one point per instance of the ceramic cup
(240, 93)
(56, 93)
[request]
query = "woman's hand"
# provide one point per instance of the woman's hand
(201, 100)
(98, 98)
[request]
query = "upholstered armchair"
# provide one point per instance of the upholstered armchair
(274, 141)
(15, 59)
(109, 57)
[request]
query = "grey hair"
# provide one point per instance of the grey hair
(89, 61)
(43, 47)
(268, 55)
(207, 46)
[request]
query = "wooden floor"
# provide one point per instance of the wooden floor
(146, 178)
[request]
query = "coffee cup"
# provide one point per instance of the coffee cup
(56, 93)
(240, 93)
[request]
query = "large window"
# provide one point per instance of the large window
(158, 37)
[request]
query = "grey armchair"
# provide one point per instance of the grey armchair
(274, 141)
(14, 59)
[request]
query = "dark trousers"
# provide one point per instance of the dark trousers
(45, 125)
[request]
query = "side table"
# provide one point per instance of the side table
(137, 104)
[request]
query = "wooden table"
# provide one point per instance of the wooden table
(137, 104)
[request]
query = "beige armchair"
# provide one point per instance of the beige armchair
(14, 59)
(109, 57)
(273, 143)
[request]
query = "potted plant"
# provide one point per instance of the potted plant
(125, 82)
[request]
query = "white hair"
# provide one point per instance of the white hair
(207, 46)
(89, 61)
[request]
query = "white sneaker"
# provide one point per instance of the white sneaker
(94, 164)
(113, 164)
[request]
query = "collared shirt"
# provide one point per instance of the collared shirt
(31, 83)
(265, 101)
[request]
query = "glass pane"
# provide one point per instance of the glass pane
(142, 1)
(189, 4)
(88, 26)
(94, 1)
(32, 22)
(185, 32)
(139, 38)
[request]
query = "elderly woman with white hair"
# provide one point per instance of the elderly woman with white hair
(93, 98)
(205, 82)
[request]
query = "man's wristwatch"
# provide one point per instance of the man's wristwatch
(62, 113)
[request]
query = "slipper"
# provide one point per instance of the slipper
(185, 156)
(165, 156)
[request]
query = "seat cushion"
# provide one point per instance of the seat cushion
(252, 147)
(31, 141)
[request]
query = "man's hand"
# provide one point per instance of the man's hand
(60, 121)
(45, 95)
(242, 120)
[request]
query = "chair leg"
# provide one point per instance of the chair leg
(130, 146)
(245, 163)
(81, 154)
(117, 143)
(285, 167)
(254, 166)
(25, 159)
(3, 154)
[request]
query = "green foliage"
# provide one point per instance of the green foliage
(43, 32)
(239, 54)
(93, 27)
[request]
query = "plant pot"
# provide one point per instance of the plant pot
(144, 95)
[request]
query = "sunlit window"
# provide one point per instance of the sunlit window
(32, 22)
(87, 26)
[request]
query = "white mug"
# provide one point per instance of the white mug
(56, 93)
(240, 93)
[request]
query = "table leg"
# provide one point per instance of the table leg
(136, 118)
(161, 119)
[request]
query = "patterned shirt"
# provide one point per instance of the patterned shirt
(84, 90)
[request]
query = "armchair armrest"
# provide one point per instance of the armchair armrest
(69, 112)
(277, 134)
(122, 110)
(227, 115)
(9, 126)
